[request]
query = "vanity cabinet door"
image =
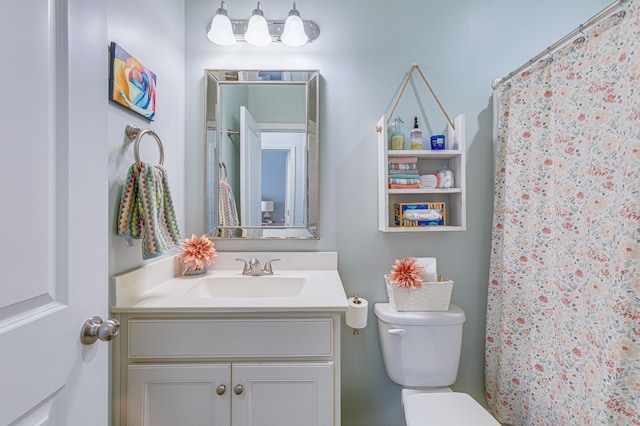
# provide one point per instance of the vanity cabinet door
(179, 394)
(291, 394)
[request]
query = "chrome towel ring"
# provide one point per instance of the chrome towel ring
(134, 133)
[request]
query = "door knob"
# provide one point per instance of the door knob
(95, 328)
(238, 389)
(220, 390)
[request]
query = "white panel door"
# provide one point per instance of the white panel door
(295, 144)
(53, 187)
(179, 394)
(294, 394)
(250, 170)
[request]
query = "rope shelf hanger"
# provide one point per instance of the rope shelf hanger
(404, 86)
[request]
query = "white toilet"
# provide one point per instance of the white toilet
(421, 352)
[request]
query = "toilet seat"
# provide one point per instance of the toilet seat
(447, 408)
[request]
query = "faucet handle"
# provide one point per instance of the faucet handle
(245, 268)
(268, 269)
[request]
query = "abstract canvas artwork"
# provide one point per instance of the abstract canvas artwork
(131, 84)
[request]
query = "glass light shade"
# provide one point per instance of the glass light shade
(258, 31)
(221, 31)
(293, 33)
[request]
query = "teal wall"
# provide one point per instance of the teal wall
(278, 104)
(363, 53)
(156, 37)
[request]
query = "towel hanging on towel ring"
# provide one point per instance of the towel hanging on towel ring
(146, 209)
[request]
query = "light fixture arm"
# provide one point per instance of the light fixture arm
(222, 10)
(258, 10)
(294, 11)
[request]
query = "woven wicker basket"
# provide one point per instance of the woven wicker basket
(432, 296)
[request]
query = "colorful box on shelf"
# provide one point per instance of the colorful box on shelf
(431, 296)
(420, 214)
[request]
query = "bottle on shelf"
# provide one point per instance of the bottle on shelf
(416, 135)
(397, 137)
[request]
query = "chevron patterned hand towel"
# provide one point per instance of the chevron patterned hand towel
(146, 210)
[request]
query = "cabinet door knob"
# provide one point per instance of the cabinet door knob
(238, 389)
(220, 390)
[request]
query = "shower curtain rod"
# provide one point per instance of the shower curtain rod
(549, 50)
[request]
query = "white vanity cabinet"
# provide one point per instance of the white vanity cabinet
(240, 369)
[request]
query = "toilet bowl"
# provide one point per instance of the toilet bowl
(421, 352)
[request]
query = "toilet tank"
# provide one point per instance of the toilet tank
(420, 349)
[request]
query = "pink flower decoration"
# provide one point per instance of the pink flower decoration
(407, 273)
(196, 252)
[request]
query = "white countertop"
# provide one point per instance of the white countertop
(160, 286)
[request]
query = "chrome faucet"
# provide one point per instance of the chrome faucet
(252, 267)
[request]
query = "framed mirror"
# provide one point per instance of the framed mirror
(261, 142)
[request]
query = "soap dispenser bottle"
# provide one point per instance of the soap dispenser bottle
(416, 135)
(397, 137)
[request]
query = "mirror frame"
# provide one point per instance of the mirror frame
(214, 80)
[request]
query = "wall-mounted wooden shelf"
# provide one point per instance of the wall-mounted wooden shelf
(428, 162)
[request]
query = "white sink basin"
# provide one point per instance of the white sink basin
(302, 282)
(247, 286)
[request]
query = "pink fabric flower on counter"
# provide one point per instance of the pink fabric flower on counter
(408, 273)
(196, 253)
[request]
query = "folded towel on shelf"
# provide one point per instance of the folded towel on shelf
(409, 181)
(146, 210)
(413, 172)
(403, 160)
(404, 176)
(403, 166)
(401, 186)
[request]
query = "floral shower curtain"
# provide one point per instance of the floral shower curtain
(563, 313)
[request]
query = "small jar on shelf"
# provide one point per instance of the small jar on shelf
(445, 178)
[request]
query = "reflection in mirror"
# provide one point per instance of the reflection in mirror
(261, 154)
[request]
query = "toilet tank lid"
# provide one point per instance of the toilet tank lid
(386, 313)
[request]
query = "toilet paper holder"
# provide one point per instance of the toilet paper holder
(356, 316)
(357, 301)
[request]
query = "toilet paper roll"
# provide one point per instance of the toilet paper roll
(357, 313)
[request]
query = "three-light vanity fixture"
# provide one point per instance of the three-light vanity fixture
(259, 31)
